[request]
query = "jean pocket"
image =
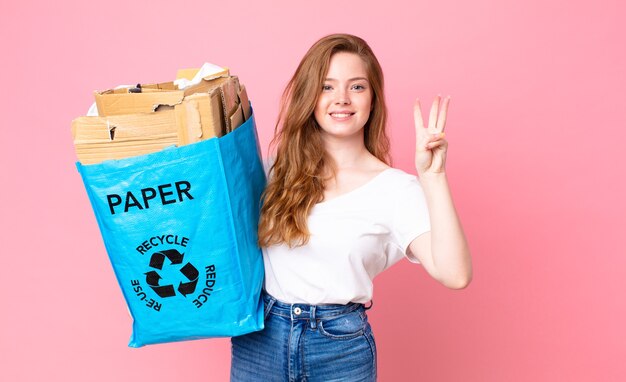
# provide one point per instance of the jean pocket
(345, 326)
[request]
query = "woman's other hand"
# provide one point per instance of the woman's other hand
(431, 145)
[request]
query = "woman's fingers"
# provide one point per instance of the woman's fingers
(434, 112)
(417, 115)
(432, 139)
(436, 120)
(441, 121)
(432, 145)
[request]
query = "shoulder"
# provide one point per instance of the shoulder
(389, 186)
(399, 177)
(400, 185)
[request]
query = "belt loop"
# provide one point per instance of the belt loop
(269, 305)
(369, 307)
(313, 319)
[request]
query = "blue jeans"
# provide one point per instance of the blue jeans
(306, 343)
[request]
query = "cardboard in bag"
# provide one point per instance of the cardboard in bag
(116, 137)
(191, 73)
(197, 117)
(236, 119)
(228, 88)
(122, 101)
(160, 115)
(245, 102)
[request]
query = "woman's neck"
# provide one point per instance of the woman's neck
(347, 152)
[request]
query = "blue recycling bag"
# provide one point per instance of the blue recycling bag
(180, 229)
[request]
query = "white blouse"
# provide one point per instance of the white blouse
(354, 237)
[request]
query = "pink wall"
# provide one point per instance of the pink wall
(536, 130)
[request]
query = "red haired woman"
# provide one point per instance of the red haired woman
(335, 214)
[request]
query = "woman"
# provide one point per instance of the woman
(335, 214)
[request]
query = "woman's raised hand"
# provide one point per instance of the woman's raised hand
(431, 145)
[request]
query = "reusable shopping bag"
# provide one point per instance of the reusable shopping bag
(180, 229)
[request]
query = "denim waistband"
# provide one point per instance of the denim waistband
(298, 311)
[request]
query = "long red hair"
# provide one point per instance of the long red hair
(296, 179)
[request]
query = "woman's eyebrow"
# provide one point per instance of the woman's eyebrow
(351, 79)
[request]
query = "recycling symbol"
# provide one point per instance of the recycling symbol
(189, 271)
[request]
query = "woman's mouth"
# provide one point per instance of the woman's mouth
(341, 116)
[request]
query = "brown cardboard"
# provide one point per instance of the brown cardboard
(188, 74)
(120, 101)
(132, 124)
(115, 137)
(207, 84)
(230, 89)
(244, 102)
(191, 73)
(236, 119)
(199, 117)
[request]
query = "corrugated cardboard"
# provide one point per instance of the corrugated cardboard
(121, 101)
(230, 89)
(191, 73)
(244, 102)
(188, 74)
(236, 119)
(116, 137)
(197, 117)
(160, 115)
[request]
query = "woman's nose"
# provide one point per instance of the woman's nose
(342, 98)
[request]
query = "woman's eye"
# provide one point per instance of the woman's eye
(327, 87)
(358, 87)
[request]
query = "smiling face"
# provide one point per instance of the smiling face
(344, 105)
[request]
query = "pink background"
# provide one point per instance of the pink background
(536, 130)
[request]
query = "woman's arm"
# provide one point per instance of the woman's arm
(443, 251)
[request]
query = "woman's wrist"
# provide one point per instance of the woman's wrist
(431, 176)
